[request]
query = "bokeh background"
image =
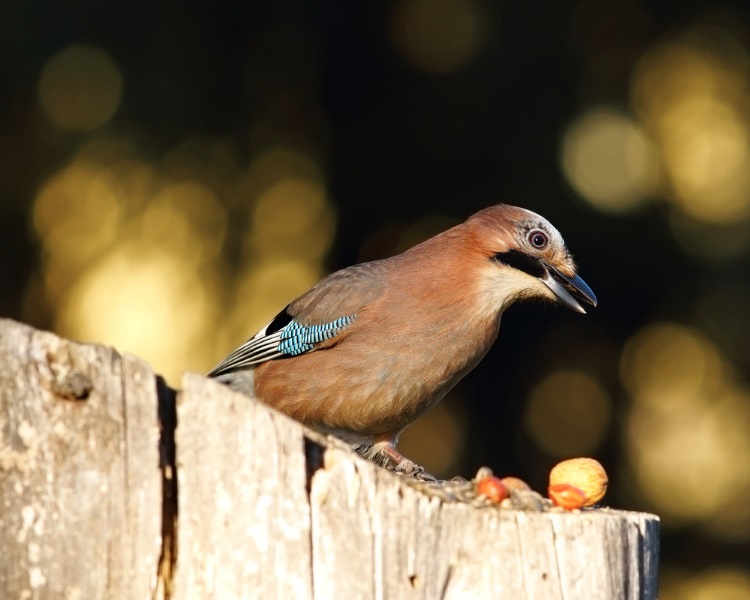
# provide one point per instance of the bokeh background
(172, 174)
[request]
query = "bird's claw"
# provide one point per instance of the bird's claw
(411, 469)
(426, 477)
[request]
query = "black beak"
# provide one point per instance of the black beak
(568, 290)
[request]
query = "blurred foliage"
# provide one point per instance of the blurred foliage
(171, 176)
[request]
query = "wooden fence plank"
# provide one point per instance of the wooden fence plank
(244, 517)
(79, 471)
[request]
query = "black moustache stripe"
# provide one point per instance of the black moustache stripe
(521, 261)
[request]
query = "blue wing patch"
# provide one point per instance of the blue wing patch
(297, 339)
(281, 337)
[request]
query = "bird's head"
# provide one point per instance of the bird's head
(524, 256)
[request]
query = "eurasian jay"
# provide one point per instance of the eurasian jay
(371, 347)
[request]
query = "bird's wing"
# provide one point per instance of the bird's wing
(320, 314)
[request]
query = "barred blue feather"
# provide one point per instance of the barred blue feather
(276, 341)
(297, 338)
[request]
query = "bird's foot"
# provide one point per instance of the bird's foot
(410, 469)
(401, 465)
(383, 452)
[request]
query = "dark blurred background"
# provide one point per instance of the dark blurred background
(172, 174)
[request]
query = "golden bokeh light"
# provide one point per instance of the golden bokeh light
(706, 151)
(136, 298)
(690, 95)
(76, 215)
(439, 36)
(80, 88)
(669, 363)
(610, 161)
(291, 213)
(568, 414)
(293, 216)
(277, 164)
(185, 219)
(688, 433)
(289, 207)
(720, 583)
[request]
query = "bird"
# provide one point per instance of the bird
(371, 347)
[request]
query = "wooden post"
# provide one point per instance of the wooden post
(80, 485)
(101, 496)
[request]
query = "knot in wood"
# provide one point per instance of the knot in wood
(72, 384)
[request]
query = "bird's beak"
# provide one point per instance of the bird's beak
(568, 290)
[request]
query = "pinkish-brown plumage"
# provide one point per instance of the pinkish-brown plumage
(420, 321)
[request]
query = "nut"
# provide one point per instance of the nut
(566, 496)
(586, 474)
(492, 488)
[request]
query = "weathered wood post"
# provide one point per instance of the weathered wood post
(114, 486)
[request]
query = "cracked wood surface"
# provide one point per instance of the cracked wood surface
(86, 500)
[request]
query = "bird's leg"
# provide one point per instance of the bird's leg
(384, 452)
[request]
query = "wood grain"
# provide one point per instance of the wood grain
(79, 470)
(402, 544)
(101, 496)
(244, 520)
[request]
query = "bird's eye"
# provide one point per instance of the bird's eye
(538, 239)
